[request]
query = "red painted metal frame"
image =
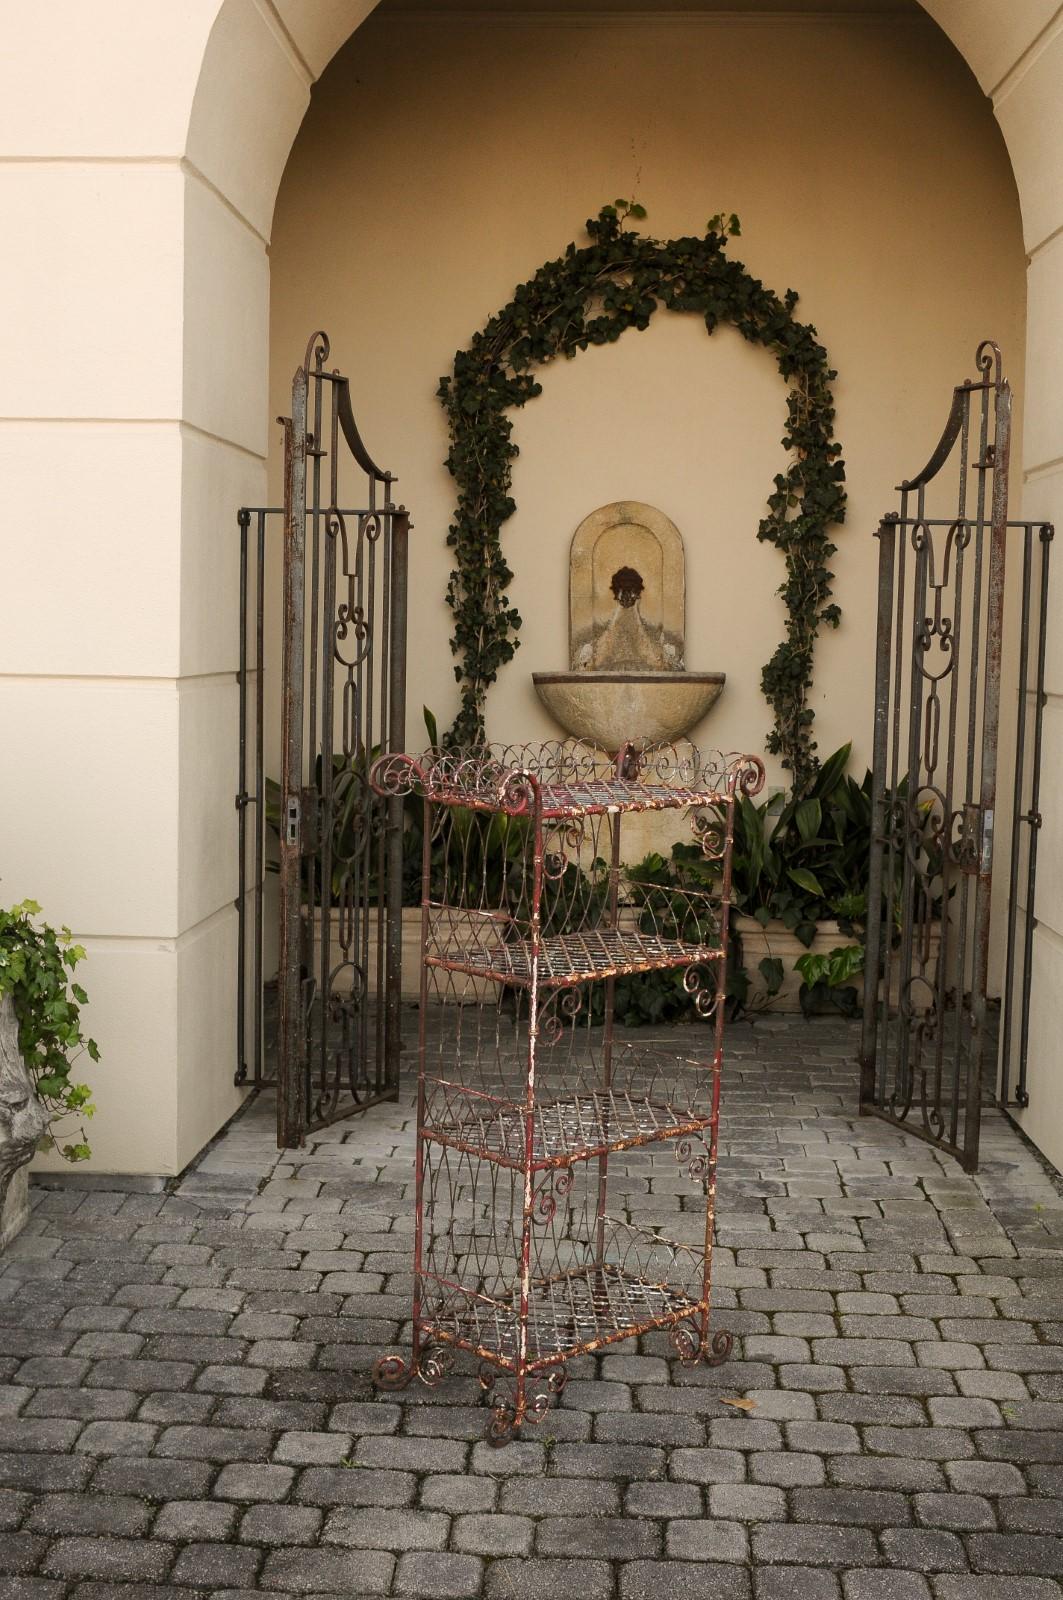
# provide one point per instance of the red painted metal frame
(516, 1257)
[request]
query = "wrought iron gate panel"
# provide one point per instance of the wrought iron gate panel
(343, 692)
(941, 623)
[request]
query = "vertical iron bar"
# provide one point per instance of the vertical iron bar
(319, 661)
(1047, 534)
(1016, 816)
(366, 691)
(291, 1092)
(260, 787)
(964, 1015)
(990, 732)
(240, 1075)
(878, 907)
(948, 865)
(334, 544)
(400, 530)
(903, 1083)
(888, 1040)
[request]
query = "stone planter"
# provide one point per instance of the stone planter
(778, 942)
(16, 1207)
(23, 1121)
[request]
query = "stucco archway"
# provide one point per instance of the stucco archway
(141, 197)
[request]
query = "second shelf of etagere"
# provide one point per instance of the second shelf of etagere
(564, 960)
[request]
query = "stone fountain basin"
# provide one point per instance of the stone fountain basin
(605, 708)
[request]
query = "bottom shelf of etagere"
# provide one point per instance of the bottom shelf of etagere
(641, 1282)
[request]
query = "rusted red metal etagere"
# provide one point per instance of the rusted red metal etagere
(526, 1088)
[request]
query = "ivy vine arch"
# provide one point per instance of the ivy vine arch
(590, 295)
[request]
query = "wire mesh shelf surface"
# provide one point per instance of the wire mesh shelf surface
(575, 1128)
(576, 1311)
(573, 958)
(530, 922)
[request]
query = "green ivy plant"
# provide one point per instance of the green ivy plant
(590, 296)
(36, 968)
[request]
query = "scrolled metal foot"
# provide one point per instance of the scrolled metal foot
(686, 1342)
(503, 1424)
(720, 1346)
(392, 1371)
(435, 1365)
(556, 1379)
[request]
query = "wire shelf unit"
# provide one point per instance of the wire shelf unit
(529, 923)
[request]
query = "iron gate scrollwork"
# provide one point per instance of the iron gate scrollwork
(339, 845)
(926, 1061)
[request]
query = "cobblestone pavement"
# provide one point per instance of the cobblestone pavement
(186, 1408)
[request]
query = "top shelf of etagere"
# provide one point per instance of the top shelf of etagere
(564, 778)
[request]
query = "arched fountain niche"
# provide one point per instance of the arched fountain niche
(627, 673)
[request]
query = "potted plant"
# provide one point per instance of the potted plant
(40, 1039)
(484, 849)
(799, 887)
(800, 890)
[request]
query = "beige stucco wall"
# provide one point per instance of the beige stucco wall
(138, 199)
(433, 113)
(442, 160)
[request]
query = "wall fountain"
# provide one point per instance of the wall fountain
(627, 601)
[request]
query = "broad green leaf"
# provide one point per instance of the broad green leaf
(806, 879)
(808, 817)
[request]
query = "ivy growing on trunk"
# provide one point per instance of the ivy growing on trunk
(591, 295)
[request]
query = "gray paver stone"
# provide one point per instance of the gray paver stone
(494, 1534)
(241, 1480)
(191, 1520)
(816, 1544)
(346, 1572)
(796, 1583)
(533, 1579)
(683, 1580)
(214, 1566)
(894, 1585)
(707, 1540)
(449, 1492)
(428, 1574)
(131, 1560)
(387, 1530)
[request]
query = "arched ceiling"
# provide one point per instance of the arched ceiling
(849, 7)
(262, 57)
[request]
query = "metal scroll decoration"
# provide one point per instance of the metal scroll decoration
(927, 1057)
(527, 1093)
